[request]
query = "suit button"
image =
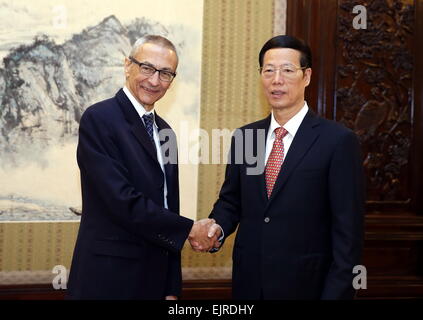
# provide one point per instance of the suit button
(267, 220)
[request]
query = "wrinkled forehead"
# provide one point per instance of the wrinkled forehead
(158, 55)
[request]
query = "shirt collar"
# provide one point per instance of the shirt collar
(138, 106)
(293, 124)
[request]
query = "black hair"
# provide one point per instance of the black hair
(284, 41)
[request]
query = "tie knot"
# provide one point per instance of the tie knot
(148, 122)
(280, 133)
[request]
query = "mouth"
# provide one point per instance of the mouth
(150, 90)
(278, 93)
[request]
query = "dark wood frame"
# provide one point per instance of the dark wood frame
(382, 288)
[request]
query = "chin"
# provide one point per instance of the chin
(279, 105)
(147, 103)
(145, 100)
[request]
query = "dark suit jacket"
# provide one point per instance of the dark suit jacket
(128, 245)
(304, 241)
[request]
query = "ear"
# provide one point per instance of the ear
(307, 76)
(127, 63)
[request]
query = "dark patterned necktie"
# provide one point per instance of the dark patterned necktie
(274, 163)
(148, 122)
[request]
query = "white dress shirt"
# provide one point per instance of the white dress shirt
(291, 126)
(141, 111)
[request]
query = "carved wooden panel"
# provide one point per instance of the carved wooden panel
(374, 92)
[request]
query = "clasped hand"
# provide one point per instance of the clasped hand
(204, 235)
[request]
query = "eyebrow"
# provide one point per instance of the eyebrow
(283, 64)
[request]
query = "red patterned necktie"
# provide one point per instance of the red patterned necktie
(275, 160)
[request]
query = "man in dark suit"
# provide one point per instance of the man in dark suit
(299, 218)
(131, 233)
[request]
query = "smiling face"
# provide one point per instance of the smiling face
(285, 93)
(148, 89)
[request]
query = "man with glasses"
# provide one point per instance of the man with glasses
(131, 233)
(300, 220)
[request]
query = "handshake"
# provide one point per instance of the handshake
(204, 235)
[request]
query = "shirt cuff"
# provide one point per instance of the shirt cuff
(220, 240)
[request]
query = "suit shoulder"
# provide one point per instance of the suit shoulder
(334, 127)
(336, 131)
(259, 124)
(102, 110)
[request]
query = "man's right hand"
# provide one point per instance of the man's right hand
(203, 236)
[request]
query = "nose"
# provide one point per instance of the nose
(278, 78)
(154, 78)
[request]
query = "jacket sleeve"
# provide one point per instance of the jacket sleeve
(174, 276)
(100, 163)
(346, 192)
(227, 209)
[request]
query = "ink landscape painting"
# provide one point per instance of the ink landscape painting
(56, 59)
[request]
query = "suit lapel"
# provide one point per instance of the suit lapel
(169, 167)
(261, 182)
(137, 126)
(303, 140)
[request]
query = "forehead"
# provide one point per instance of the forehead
(159, 56)
(279, 56)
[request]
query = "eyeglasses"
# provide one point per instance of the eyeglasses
(288, 71)
(149, 70)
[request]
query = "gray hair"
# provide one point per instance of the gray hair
(156, 39)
